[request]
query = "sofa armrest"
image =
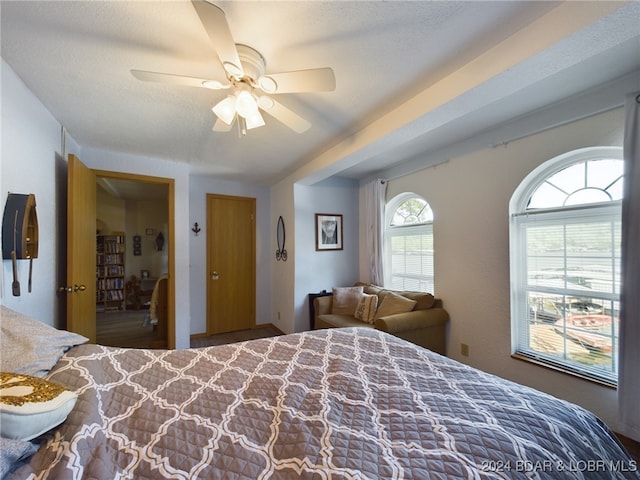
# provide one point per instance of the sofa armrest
(414, 320)
(323, 305)
(427, 328)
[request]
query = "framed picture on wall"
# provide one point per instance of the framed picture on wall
(328, 231)
(137, 245)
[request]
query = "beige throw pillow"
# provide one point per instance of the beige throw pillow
(366, 309)
(393, 303)
(345, 300)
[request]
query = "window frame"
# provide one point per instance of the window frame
(519, 219)
(390, 231)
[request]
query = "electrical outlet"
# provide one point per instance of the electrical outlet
(464, 349)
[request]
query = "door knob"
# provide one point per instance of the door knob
(81, 288)
(65, 289)
(215, 276)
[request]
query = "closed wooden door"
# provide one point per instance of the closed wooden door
(231, 265)
(81, 249)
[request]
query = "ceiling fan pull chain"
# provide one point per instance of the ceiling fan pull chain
(242, 126)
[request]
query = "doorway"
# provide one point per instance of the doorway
(132, 218)
(231, 263)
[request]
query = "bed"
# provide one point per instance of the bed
(341, 403)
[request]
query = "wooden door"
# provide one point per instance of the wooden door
(81, 249)
(231, 265)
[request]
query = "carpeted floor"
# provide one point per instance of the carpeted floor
(125, 329)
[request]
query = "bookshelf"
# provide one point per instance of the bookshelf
(110, 251)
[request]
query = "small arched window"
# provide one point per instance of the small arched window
(409, 244)
(565, 235)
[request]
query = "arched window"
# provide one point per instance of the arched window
(565, 263)
(409, 244)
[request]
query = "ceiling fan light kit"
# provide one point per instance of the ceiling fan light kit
(254, 121)
(226, 109)
(245, 69)
(246, 104)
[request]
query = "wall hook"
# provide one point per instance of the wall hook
(196, 229)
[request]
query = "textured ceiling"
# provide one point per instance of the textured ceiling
(409, 75)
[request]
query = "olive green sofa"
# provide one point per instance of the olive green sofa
(420, 318)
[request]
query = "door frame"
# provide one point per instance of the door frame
(170, 183)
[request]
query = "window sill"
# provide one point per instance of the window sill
(558, 368)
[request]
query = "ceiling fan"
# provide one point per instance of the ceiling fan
(250, 86)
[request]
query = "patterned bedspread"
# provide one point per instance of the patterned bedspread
(339, 403)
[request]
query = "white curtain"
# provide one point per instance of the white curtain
(629, 371)
(375, 199)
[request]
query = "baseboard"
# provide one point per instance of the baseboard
(197, 335)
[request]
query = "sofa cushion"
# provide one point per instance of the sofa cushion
(392, 303)
(337, 321)
(366, 309)
(423, 300)
(345, 300)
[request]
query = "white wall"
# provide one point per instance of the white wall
(32, 162)
(283, 272)
(470, 197)
(199, 187)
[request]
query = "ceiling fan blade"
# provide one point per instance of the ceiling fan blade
(281, 113)
(221, 126)
(178, 80)
(215, 23)
(313, 80)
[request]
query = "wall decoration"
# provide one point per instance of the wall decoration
(137, 245)
(328, 231)
(20, 234)
(160, 242)
(150, 231)
(144, 273)
(281, 253)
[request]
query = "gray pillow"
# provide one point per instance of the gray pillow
(31, 347)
